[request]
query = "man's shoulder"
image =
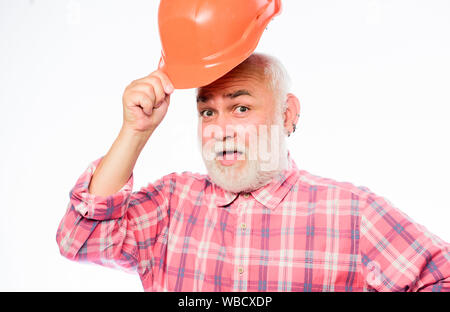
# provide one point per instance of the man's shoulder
(321, 183)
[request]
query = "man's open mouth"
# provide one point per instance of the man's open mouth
(228, 155)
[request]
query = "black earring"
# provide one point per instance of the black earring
(294, 126)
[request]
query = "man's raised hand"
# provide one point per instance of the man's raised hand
(145, 102)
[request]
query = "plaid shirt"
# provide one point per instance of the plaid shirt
(298, 233)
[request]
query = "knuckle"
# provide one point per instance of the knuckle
(150, 97)
(148, 89)
(144, 88)
(160, 74)
(155, 81)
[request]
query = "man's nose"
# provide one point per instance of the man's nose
(226, 126)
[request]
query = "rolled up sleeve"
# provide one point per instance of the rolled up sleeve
(96, 207)
(94, 229)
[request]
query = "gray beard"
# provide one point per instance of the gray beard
(252, 176)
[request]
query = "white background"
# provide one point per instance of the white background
(372, 77)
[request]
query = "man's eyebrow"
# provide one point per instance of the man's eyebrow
(237, 93)
(202, 98)
(205, 97)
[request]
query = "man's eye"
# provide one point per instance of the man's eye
(206, 113)
(241, 109)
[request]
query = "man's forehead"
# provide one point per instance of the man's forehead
(231, 87)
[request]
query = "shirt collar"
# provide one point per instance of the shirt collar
(269, 195)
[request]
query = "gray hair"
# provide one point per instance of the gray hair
(273, 72)
(276, 75)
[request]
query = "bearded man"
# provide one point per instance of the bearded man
(255, 222)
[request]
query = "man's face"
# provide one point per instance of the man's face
(241, 131)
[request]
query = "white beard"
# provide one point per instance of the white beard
(254, 173)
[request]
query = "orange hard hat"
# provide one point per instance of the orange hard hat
(202, 40)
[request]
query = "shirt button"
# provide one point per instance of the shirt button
(243, 226)
(246, 195)
(241, 270)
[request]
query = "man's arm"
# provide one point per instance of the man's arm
(145, 102)
(116, 167)
(100, 222)
(398, 254)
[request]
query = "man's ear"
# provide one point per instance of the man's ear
(292, 113)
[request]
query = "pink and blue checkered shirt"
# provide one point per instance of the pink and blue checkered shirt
(298, 233)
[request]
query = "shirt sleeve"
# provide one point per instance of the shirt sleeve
(119, 230)
(398, 254)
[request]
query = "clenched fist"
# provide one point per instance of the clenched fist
(145, 102)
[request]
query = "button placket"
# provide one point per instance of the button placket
(241, 213)
(241, 230)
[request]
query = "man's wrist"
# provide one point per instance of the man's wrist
(135, 137)
(135, 134)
